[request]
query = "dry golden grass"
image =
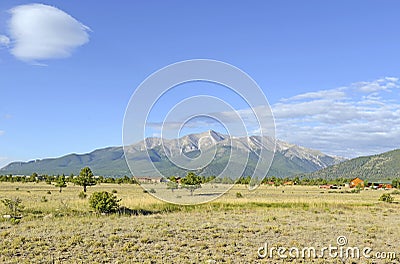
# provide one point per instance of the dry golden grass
(227, 230)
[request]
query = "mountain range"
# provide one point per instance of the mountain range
(289, 159)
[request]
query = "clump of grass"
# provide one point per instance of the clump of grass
(82, 195)
(239, 195)
(44, 199)
(396, 192)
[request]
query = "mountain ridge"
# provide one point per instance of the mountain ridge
(383, 166)
(289, 159)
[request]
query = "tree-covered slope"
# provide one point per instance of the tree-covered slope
(376, 167)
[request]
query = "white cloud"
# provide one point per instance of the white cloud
(332, 94)
(2, 132)
(4, 41)
(39, 32)
(392, 79)
(350, 125)
(377, 85)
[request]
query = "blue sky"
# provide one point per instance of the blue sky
(328, 68)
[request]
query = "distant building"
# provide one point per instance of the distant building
(150, 179)
(380, 185)
(356, 182)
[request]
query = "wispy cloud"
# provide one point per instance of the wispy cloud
(7, 116)
(378, 85)
(39, 32)
(332, 94)
(358, 119)
(4, 41)
(2, 132)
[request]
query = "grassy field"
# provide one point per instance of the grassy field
(61, 228)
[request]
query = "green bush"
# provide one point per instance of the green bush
(239, 195)
(104, 202)
(386, 197)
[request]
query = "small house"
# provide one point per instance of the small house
(356, 182)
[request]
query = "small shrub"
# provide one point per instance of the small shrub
(48, 192)
(152, 190)
(14, 207)
(15, 221)
(386, 197)
(17, 189)
(239, 195)
(82, 195)
(104, 202)
(114, 191)
(43, 199)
